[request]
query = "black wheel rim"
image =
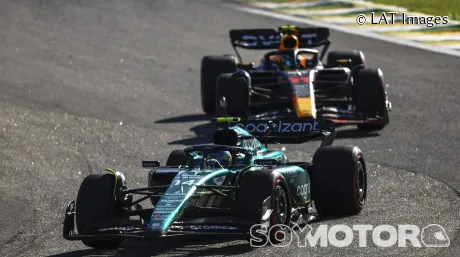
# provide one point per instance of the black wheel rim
(361, 183)
(281, 206)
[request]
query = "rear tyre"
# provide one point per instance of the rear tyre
(356, 57)
(235, 89)
(177, 158)
(370, 97)
(211, 68)
(339, 180)
(257, 186)
(96, 203)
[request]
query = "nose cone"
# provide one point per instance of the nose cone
(172, 202)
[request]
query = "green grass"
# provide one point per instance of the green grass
(428, 31)
(449, 8)
(322, 6)
(446, 42)
(355, 13)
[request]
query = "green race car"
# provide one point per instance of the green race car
(235, 186)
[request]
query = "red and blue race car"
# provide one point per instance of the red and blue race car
(291, 80)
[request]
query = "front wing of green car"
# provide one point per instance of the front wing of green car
(165, 219)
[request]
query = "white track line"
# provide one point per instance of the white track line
(453, 46)
(292, 5)
(454, 37)
(395, 28)
(337, 11)
(352, 31)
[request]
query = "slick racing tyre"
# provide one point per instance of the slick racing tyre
(177, 158)
(370, 97)
(235, 89)
(254, 188)
(339, 180)
(356, 57)
(211, 68)
(96, 203)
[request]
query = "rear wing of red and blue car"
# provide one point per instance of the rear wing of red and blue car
(259, 39)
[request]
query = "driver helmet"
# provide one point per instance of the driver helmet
(285, 62)
(223, 157)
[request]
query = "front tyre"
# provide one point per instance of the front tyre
(339, 180)
(256, 186)
(235, 89)
(96, 203)
(211, 68)
(370, 98)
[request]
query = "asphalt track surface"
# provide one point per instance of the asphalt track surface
(86, 85)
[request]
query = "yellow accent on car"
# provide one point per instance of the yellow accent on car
(303, 203)
(228, 119)
(284, 27)
(116, 178)
(290, 28)
(304, 107)
(343, 60)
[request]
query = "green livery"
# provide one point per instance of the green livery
(228, 186)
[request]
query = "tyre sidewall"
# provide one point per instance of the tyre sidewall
(334, 180)
(211, 68)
